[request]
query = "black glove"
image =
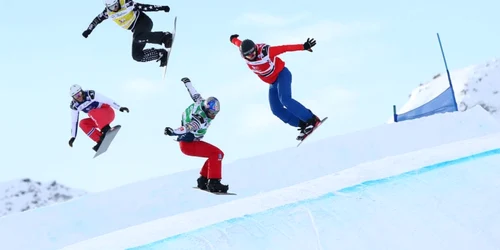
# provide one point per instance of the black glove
(165, 8)
(233, 36)
(71, 141)
(123, 109)
(169, 131)
(185, 80)
(309, 44)
(86, 33)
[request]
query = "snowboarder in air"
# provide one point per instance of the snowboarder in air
(263, 60)
(99, 109)
(195, 121)
(131, 16)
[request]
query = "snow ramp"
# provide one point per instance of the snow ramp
(261, 182)
(445, 197)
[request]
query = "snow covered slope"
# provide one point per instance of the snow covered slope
(473, 85)
(436, 198)
(22, 195)
(172, 196)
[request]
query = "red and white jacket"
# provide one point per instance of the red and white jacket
(268, 65)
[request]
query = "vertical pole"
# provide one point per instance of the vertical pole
(448, 73)
(395, 116)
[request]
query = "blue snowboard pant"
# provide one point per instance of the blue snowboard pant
(283, 105)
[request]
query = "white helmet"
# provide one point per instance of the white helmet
(75, 89)
(112, 5)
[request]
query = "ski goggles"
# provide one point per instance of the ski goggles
(114, 7)
(211, 113)
(78, 95)
(250, 54)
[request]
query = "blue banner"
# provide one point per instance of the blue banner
(445, 102)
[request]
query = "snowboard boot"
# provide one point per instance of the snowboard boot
(302, 127)
(163, 57)
(96, 147)
(214, 186)
(104, 130)
(167, 40)
(202, 182)
(307, 127)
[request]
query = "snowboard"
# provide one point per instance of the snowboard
(169, 50)
(110, 135)
(324, 119)
(215, 193)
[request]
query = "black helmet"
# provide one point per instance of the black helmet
(247, 47)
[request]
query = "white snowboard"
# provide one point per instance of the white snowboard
(169, 50)
(110, 135)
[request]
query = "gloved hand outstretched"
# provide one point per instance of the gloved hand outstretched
(169, 131)
(86, 33)
(233, 36)
(123, 109)
(185, 80)
(165, 8)
(309, 44)
(71, 141)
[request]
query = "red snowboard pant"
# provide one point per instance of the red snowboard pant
(212, 169)
(98, 118)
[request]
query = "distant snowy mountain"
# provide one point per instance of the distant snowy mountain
(24, 194)
(473, 85)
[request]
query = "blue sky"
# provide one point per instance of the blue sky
(369, 56)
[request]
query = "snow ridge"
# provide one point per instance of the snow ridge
(25, 194)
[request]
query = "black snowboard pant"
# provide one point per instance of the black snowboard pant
(142, 35)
